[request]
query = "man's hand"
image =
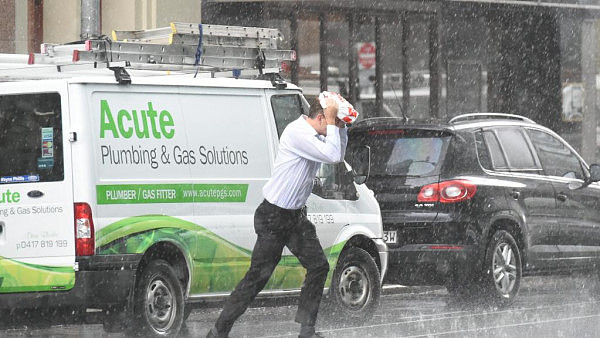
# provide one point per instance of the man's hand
(339, 123)
(331, 111)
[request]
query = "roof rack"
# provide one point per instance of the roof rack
(479, 116)
(181, 47)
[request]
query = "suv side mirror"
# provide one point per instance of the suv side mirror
(361, 164)
(594, 173)
(594, 177)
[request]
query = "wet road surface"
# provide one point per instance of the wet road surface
(545, 307)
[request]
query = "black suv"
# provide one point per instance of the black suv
(480, 201)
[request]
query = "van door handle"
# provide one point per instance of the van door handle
(35, 194)
(561, 197)
(515, 194)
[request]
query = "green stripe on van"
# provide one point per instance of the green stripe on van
(23, 277)
(170, 193)
(217, 264)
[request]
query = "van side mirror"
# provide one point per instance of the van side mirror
(361, 164)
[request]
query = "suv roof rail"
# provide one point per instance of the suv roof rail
(476, 116)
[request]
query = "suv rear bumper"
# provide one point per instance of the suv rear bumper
(432, 264)
(101, 281)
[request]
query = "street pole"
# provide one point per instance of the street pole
(90, 19)
(588, 72)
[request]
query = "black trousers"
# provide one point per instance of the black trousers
(276, 228)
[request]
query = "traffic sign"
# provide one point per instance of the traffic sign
(366, 55)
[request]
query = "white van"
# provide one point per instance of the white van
(138, 199)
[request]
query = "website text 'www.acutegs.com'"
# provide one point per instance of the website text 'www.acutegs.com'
(213, 193)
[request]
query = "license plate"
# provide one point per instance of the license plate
(390, 236)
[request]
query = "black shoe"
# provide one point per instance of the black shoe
(314, 335)
(213, 333)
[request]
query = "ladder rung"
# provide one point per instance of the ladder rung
(192, 40)
(212, 61)
(209, 49)
(224, 41)
(140, 52)
(142, 35)
(222, 30)
(189, 34)
(52, 49)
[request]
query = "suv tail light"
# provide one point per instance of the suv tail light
(84, 230)
(447, 191)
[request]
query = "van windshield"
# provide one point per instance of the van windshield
(398, 153)
(30, 138)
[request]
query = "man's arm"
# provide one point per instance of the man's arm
(314, 149)
(310, 147)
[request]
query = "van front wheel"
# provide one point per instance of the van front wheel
(158, 303)
(355, 288)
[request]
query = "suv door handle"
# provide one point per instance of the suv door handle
(561, 197)
(515, 194)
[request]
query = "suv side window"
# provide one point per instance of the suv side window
(557, 159)
(517, 149)
(505, 149)
(489, 151)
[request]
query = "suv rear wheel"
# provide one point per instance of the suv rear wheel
(502, 269)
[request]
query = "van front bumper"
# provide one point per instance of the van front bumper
(100, 282)
(382, 249)
(432, 264)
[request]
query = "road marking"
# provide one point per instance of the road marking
(502, 326)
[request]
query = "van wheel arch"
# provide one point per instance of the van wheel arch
(365, 243)
(173, 255)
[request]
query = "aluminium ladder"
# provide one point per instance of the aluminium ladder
(183, 47)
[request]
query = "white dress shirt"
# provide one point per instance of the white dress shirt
(301, 152)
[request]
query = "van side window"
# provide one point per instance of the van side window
(286, 108)
(557, 159)
(31, 138)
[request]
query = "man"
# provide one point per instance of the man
(280, 220)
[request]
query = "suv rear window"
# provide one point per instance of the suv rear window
(30, 138)
(405, 152)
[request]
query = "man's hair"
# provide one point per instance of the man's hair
(315, 108)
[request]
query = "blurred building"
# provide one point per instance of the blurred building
(24, 24)
(430, 59)
(437, 59)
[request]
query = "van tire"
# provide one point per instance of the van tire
(158, 301)
(501, 279)
(355, 288)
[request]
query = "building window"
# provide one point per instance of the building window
(336, 45)
(308, 54)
